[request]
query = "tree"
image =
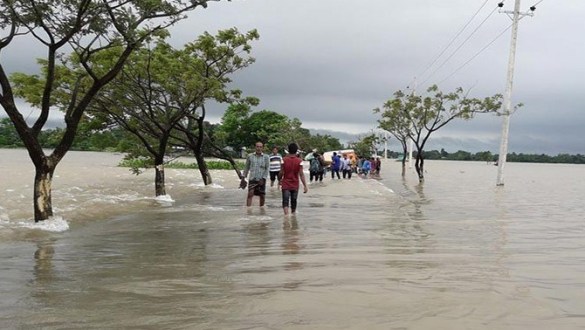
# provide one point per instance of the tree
(88, 28)
(267, 126)
(324, 143)
(195, 136)
(398, 125)
(8, 136)
(365, 145)
(161, 92)
(292, 131)
(203, 138)
(485, 156)
(224, 54)
(242, 128)
(232, 131)
(428, 114)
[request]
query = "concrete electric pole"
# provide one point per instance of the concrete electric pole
(515, 16)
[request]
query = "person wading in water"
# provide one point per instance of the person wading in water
(290, 173)
(257, 165)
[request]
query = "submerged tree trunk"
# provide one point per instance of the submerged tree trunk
(419, 165)
(404, 157)
(159, 179)
(234, 166)
(203, 169)
(198, 150)
(43, 206)
(221, 154)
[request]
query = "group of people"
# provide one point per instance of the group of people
(369, 167)
(288, 170)
(344, 164)
(316, 166)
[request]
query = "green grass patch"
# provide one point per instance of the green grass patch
(137, 163)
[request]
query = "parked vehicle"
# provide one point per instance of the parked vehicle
(349, 152)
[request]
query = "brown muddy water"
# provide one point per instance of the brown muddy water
(456, 252)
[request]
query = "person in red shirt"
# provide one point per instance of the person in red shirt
(290, 173)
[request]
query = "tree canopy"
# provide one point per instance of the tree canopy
(90, 29)
(419, 116)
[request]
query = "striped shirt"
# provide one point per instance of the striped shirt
(256, 166)
(275, 162)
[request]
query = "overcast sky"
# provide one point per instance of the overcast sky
(330, 62)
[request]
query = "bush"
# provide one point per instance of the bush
(136, 163)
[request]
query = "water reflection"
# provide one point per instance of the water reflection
(415, 198)
(257, 237)
(43, 268)
(291, 247)
(290, 240)
(252, 210)
(44, 272)
(446, 253)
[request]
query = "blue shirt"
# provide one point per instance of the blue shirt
(335, 162)
(366, 166)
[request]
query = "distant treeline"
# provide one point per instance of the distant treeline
(487, 156)
(115, 141)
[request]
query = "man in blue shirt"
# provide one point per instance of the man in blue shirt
(335, 165)
(366, 167)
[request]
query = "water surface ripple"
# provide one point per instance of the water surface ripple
(455, 252)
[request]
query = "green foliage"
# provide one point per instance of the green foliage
(8, 136)
(138, 164)
(413, 117)
(323, 143)
(487, 156)
(542, 158)
(232, 131)
(90, 30)
(365, 146)
(242, 128)
(265, 126)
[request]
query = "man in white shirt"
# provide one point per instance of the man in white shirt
(275, 165)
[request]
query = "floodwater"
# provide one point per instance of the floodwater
(456, 252)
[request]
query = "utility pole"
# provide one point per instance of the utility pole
(515, 16)
(385, 144)
(410, 142)
(410, 147)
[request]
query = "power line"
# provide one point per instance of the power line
(453, 40)
(460, 46)
(536, 4)
(477, 54)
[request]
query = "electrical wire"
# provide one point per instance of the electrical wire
(477, 54)
(461, 45)
(536, 4)
(453, 39)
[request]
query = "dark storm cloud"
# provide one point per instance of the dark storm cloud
(330, 62)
